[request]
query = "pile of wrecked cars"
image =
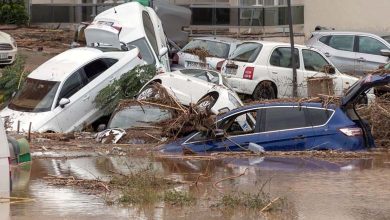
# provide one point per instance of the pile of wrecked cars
(58, 96)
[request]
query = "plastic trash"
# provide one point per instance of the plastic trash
(255, 148)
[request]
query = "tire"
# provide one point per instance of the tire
(264, 90)
(206, 103)
(149, 92)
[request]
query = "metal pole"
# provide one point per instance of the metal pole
(290, 25)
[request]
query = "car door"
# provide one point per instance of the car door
(281, 72)
(368, 54)
(340, 50)
(315, 66)
(282, 132)
(319, 118)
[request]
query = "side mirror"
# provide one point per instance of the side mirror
(63, 102)
(385, 52)
(219, 133)
(101, 127)
(162, 52)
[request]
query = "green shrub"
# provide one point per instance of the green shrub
(12, 79)
(13, 12)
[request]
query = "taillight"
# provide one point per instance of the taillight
(175, 59)
(220, 64)
(352, 132)
(119, 29)
(248, 73)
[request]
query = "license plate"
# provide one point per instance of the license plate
(3, 56)
(231, 71)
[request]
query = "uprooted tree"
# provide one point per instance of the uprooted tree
(124, 88)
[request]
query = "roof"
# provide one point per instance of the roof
(329, 32)
(129, 16)
(249, 107)
(62, 65)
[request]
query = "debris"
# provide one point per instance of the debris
(255, 148)
(200, 52)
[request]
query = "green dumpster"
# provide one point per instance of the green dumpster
(143, 2)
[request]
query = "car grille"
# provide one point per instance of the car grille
(5, 47)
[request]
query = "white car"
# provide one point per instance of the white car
(206, 88)
(218, 48)
(58, 96)
(263, 70)
(131, 24)
(8, 49)
(5, 175)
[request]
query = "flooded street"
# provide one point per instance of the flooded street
(313, 188)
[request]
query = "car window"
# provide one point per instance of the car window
(206, 75)
(314, 61)
(215, 49)
(282, 57)
(244, 123)
(277, 119)
(325, 39)
(149, 31)
(95, 68)
(370, 45)
(246, 52)
(386, 38)
(72, 85)
(342, 42)
(146, 52)
(319, 116)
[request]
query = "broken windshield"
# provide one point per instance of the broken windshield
(214, 49)
(35, 96)
(206, 75)
(138, 116)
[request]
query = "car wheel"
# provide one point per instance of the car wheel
(206, 103)
(264, 90)
(150, 91)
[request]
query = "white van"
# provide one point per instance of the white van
(5, 175)
(131, 24)
(58, 96)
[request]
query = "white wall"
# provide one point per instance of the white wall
(348, 15)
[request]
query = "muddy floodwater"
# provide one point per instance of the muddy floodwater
(313, 188)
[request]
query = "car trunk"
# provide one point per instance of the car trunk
(102, 35)
(355, 94)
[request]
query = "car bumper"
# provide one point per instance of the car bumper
(8, 56)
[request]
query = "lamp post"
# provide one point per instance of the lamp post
(294, 67)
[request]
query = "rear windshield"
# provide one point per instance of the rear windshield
(139, 116)
(246, 52)
(35, 96)
(214, 49)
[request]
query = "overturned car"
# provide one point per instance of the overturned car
(289, 126)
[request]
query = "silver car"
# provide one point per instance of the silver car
(352, 52)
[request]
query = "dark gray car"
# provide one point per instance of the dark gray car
(352, 52)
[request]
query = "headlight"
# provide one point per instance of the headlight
(13, 42)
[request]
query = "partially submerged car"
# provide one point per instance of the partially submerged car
(263, 70)
(58, 96)
(205, 52)
(8, 49)
(131, 24)
(206, 88)
(135, 122)
(306, 126)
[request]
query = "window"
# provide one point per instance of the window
(325, 39)
(206, 75)
(240, 124)
(319, 116)
(277, 119)
(247, 52)
(95, 68)
(370, 45)
(282, 57)
(313, 61)
(340, 42)
(149, 31)
(215, 49)
(144, 49)
(72, 85)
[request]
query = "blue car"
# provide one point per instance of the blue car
(289, 126)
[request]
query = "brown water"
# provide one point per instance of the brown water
(314, 188)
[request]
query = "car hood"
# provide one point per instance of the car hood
(364, 85)
(37, 119)
(5, 38)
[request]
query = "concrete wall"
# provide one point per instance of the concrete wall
(348, 15)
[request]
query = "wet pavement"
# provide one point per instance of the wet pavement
(314, 188)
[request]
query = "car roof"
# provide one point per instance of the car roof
(129, 15)
(276, 104)
(219, 39)
(332, 32)
(61, 66)
(274, 44)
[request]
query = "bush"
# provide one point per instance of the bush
(13, 12)
(12, 79)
